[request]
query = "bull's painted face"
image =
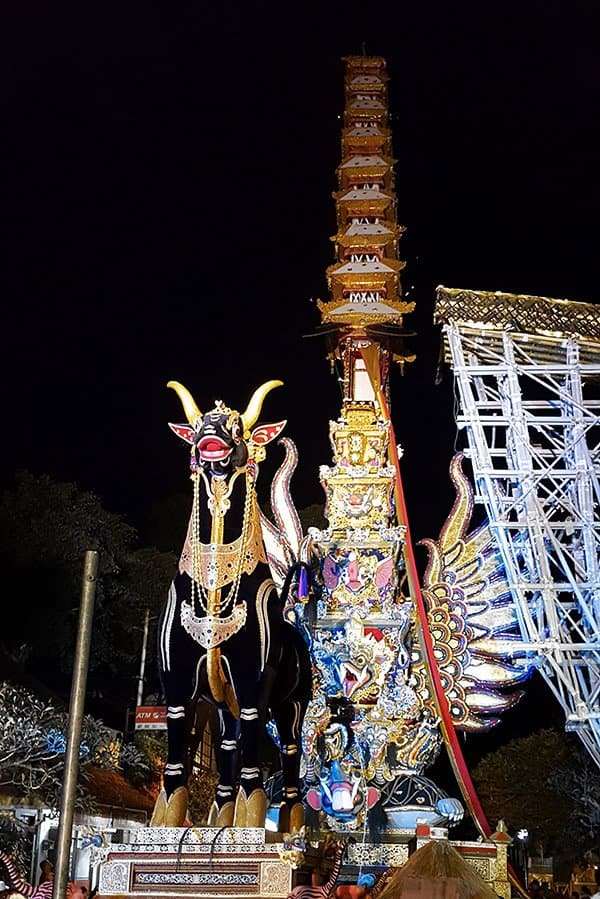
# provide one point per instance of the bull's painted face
(219, 441)
(222, 439)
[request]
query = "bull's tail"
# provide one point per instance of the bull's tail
(221, 689)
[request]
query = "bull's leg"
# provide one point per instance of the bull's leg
(171, 806)
(251, 801)
(222, 810)
(288, 718)
(179, 662)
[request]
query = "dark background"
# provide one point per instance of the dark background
(167, 175)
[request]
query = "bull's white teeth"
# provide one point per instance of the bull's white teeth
(337, 803)
(347, 801)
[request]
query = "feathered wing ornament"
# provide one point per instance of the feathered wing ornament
(472, 619)
(282, 539)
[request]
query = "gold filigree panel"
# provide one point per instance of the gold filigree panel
(275, 878)
(358, 503)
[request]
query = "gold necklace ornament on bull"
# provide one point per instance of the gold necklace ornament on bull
(216, 565)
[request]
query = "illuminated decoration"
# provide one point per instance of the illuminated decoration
(222, 636)
(472, 619)
(370, 730)
(394, 669)
(527, 371)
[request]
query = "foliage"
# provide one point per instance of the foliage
(144, 759)
(201, 786)
(33, 744)
(312, 517)
(167, 521)
(111, 788)
(14, 839)
(45, 529)
(581, 781)
(515, 783)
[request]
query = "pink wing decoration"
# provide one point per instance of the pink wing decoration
(384, 572)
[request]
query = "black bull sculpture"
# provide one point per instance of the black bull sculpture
(222, 636)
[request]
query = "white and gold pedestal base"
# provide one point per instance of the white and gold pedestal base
(194, 861)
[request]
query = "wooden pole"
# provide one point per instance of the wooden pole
(80, 670)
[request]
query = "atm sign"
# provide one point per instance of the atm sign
(151, 717)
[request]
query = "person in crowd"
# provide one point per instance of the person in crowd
(47, 869)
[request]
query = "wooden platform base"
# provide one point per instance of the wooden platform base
(196, 861)
(245, 863)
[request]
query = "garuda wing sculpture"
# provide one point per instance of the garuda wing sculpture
(472, 619)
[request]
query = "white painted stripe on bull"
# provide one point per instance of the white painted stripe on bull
(296, 721)
(165, 636)
(262, 600)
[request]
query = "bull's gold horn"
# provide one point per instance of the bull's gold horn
(251, 414)
(190, 408)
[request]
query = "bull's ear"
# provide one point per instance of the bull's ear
(265, 433)
(184, 431)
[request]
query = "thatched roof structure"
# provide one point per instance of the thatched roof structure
(437, 871)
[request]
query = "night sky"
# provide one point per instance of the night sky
(167, 183)
(167, 176)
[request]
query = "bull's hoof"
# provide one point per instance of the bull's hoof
(211, 821)
(239, 817)
(160, 808)
(221, 817)
(296, 817)
(250, 811)
(177, 808)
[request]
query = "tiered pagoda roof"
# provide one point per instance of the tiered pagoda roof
(364, 281)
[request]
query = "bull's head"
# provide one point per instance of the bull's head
(222, 438)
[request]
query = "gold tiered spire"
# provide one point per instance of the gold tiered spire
(366, 306)
(374, 726)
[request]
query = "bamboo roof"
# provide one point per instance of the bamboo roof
(437, 869)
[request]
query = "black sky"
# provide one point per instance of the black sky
(167, 183)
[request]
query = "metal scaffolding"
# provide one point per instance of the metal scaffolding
(527, 376)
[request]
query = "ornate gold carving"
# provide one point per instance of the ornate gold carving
(212, 630)
(364, 314)
(545, 317)
(359, 503)
(360, 446)
(275, 878)
(217, 563)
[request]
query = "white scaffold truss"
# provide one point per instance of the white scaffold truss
(527, 377)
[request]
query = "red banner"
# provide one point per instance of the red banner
(151, 717)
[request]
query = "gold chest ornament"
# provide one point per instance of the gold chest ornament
(215, 565)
